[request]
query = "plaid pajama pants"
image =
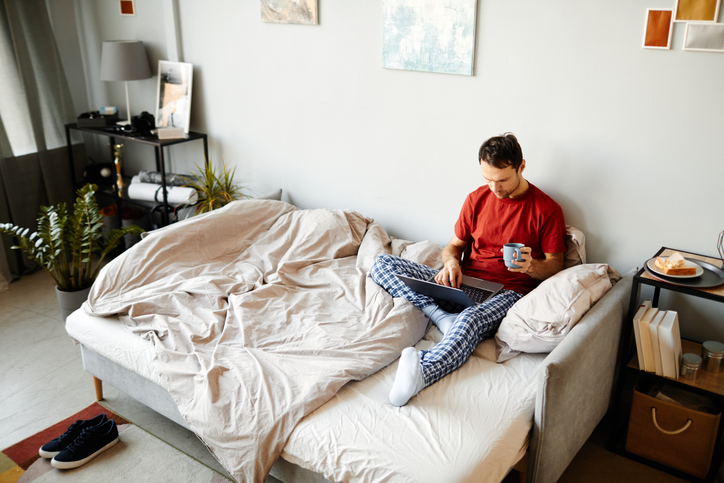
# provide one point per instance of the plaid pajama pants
(472, 326)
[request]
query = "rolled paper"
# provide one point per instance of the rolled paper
(154, 192)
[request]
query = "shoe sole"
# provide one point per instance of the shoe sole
(48, 454)
(66, 465)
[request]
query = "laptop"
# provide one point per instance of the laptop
(472, 291)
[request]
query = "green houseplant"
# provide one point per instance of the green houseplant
(214, 189)
(70, 247)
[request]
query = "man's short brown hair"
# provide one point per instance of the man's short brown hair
(501, 152)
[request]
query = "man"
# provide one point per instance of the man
(508, 209)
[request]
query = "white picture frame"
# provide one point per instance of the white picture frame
(656, 28)
(704, 37)
(696, 11)
(173, 96)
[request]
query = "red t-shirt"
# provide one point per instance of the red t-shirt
(487, 223)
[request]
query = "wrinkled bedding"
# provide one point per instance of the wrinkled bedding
(471, 426)
(259, 313)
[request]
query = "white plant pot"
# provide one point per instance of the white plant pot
(69, 302)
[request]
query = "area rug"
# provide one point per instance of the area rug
(138, 456)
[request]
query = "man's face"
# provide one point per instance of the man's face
(502, 182)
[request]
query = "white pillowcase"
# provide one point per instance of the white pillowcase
(539, 321)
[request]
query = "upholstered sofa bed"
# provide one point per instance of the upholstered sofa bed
(257, 327)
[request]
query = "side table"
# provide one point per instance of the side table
(628, 371)
(148, 139)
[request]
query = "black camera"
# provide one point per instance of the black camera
(143, 123)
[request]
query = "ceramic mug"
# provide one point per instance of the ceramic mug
(511, 251)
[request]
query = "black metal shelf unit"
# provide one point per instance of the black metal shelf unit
(628, 371)
(148, 139)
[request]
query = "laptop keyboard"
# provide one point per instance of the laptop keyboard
(477, 295)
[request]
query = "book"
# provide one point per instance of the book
(670, 344)
(646, 347)
(645, 305)
(654, 330)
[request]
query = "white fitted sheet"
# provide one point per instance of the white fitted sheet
(471, 426)
(108, 337)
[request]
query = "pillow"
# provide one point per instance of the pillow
(539, 321)
(274, 195)
(575, 247)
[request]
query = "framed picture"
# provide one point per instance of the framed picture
(302, 12)
(658, 29)
(128, 7)
(429, 36)
(173, 99)
(696, 11)
(704, 37)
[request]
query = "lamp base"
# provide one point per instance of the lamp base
(123, 123)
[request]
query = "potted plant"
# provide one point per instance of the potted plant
(214, 189)
(66, 246)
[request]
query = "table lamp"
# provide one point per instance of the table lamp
(124, 60)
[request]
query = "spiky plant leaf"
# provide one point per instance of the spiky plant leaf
(65, 246)
(213, 189)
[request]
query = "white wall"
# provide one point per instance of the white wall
(628, 140)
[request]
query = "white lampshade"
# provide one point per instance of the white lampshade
(124, 60)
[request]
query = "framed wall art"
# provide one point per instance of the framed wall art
(697, 11)
(703, 37)
(429, 35)
(659, 24)
(173, 99)
(303, 12)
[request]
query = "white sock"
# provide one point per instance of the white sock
(443, 320)
(408, 379)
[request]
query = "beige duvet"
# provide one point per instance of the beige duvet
(259, 313)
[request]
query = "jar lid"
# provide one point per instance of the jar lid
(690, 359)
(714, 347)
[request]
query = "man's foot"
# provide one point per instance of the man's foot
(408, 379)
(443, 320)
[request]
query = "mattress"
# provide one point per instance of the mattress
(113, 340)
(471, 426)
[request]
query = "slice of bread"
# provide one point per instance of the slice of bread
(674, 265)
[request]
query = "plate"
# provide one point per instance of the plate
(713, 277)
(688, 263)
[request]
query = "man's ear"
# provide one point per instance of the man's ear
(521, 167)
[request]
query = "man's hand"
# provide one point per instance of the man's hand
(538, 269)
(451, 274)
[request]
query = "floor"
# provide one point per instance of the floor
(43, 382)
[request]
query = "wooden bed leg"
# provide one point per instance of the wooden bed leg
(98, 384)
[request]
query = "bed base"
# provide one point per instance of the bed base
(575, 379)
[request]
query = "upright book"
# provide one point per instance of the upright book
(645, 305)
(646, 346)
(654, 331)
(670, 344)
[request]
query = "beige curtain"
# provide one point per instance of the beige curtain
(35, 105)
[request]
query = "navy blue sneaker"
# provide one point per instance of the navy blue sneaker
(52, 448)
(92, 441)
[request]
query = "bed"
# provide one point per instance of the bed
(256, 327)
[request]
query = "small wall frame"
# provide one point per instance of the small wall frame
(696, 10)
(659, 25)
(704, 37)
(301, 12)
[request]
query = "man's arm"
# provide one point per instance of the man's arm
(451, 274)
(539, 269)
